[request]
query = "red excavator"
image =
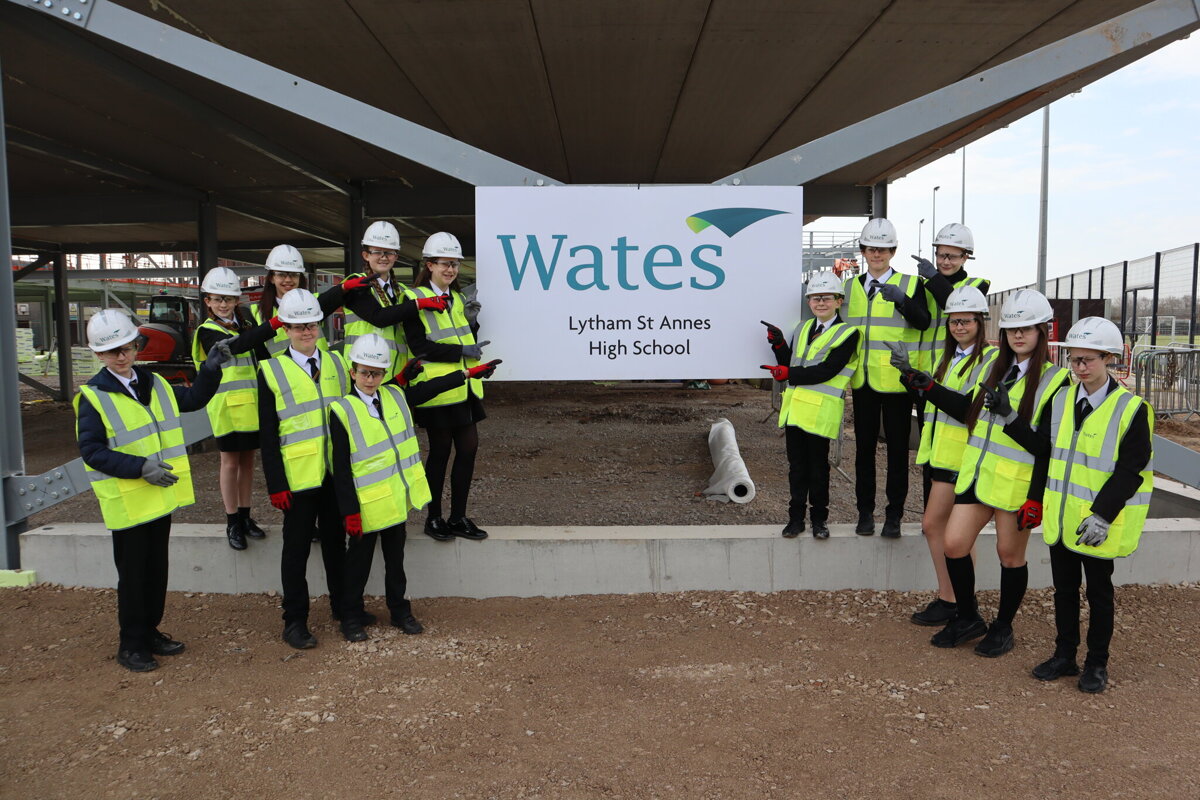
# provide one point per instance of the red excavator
(168, 330)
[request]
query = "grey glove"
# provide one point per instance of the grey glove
(474, 350)
(1092, 531)
(899, 356)
(996, 401)
(158, 472)
(892, 293)
(219, 354)
(925, 267)
(471, 310)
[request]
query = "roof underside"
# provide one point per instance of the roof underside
(609, 91)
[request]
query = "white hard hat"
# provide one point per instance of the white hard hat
(824, 282)
(371, 350)
(299, 306)
(285, 258)
(878, 233)
(110, 329)
(221, 280)
(381, 234)
(965, 299)
(442, 245)
(956, 235)
(1025, 307)
(1096, 333)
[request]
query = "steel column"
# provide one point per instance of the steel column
(1154, 300)
(62, 325)
(1125, 296)
(1195, 287)
(355, 209)
(879, 193)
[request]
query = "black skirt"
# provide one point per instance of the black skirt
(943, 475)
(457, 415)
(967, 497)
(238, 442)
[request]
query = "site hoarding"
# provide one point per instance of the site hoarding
(627, 283)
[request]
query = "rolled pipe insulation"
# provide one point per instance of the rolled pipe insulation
(730, 480)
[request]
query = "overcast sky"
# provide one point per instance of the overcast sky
(1124, 178)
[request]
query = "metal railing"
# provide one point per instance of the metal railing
(1169, 379)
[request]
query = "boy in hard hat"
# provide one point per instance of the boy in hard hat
(131, 440)
(378, 476)
(888, 308)
(817, 365)
(1091, 488)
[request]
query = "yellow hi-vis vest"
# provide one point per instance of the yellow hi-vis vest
(446, 327)
(154, 431)
(235, 405)
(933, 336)
(880, 322)
(356, 326)
(1000, 468)
(943, 438)
(281, 343)
(818, 408)
(1080, 463)
(384, 459)
(301, 406)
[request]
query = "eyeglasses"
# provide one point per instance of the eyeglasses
(373, 374)
(1083, 361)
(447, 262)
(820, 298)
(303, 326)
(221, 299)
(118, 352)
(948, 257)
(960, 323)
(383, 253)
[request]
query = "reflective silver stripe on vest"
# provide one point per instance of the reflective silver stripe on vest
(363, 451)
(435, 332)
(292, 409)
(124, 437)
(1017, 454)
(230, 386)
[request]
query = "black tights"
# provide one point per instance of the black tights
(465, 440)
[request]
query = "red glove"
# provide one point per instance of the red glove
(357, 282)
(354, 524)
(778, 371)
(275, 322)
(432, 303)
(282, 500)
(916, 380)
(1029, 515)
(411, 370)
(774, 335)
(484, 370)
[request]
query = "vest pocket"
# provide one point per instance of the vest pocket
(143, 500)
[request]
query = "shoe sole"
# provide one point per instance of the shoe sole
(471, 538)
(1005, 647)
(1097, 690)
(865, 533)
(138, 669)
(1064, 674)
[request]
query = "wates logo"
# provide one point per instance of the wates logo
(590, 266)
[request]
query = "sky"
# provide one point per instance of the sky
(1124, 178)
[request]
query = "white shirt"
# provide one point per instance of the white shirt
(126, 381)
(385, 285)
(1096, 398)
(302, 359)
(884, 278)
(1022, 367)
(961, 353)
(369, 399)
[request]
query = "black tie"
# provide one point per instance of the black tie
(314, 370)
(378, 406)
(133, 389)
(815, 332)
(1012, 375)
(1081, 411)
(874, 287)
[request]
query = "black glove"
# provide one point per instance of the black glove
(158, 472)
(774, 335)
(916, 380)
(892, 293)
(925, 268)
(219, 354)
(996, 401)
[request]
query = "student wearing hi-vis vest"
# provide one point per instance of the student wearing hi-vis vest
(996, 470)
(233, 411)
(963, 358)
(1091, 488)
(816, 365)
(444, 341)
(377, 474)
(131, 440)
(295, 389)
(887, 308)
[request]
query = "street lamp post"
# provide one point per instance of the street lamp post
(920, 223)
(933, 223)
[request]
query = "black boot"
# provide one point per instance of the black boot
(866, 524)
(252, 529)
(235, 532)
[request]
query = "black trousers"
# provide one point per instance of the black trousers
(140, 554)
(1067, 567)
(808, 473)
(896, 411)
(359, 554)
(313, 508)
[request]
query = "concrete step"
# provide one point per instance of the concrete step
(556, 561)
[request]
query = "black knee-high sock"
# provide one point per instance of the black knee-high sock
(962, 577)
(1013, 582)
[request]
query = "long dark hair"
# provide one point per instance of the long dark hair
(270, 300)
(424, 277)
(1005, 359)
(951, 345)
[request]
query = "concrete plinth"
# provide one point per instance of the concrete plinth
(556, 561)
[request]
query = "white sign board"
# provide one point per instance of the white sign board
(658, 283)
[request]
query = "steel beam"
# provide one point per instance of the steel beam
(1026, 83)
(148, 273)
(109, 209)
(1176, 461)
(41, 261)
(292, 93)
(396, 200)
(306, 229)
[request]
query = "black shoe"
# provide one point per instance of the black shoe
(997, 642)
(136, 660)
(436, 528)
(409, 625)
(298, 636)
(252, 529)
(1093, 680)
(235, 532)
(793, 529)
(939, 612)
(866, 524)
(163, 645)
(891, 528)
(958, 631)
(1054, 668)
(354, 632)
(466, 529)
(365, 618)
(820, 530)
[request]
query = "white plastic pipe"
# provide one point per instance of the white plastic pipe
(730, 481)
